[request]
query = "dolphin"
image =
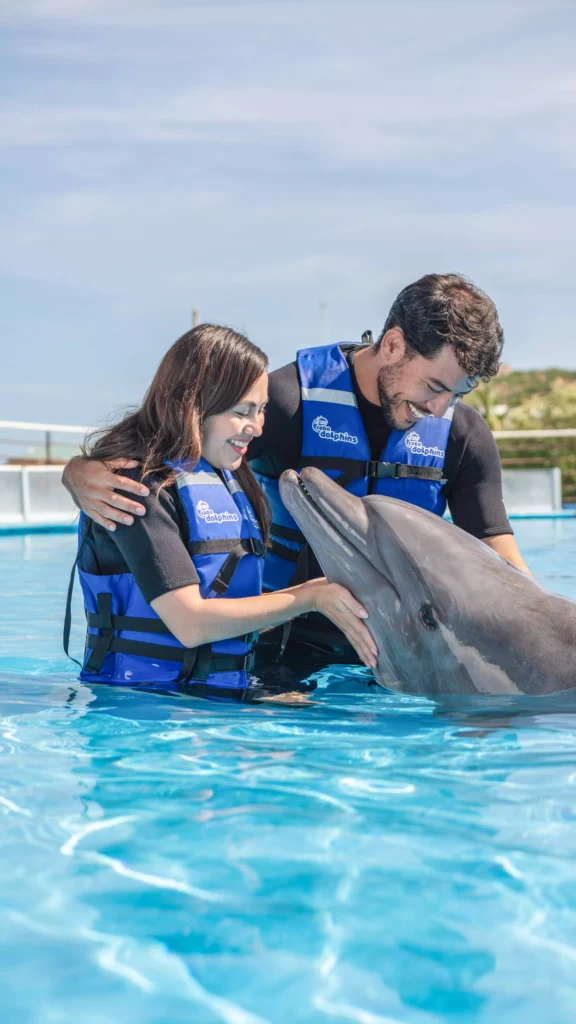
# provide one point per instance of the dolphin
(449, 615)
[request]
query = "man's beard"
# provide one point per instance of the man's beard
(387, 379)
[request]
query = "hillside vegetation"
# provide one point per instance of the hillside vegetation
(533, 400)
(527, 399)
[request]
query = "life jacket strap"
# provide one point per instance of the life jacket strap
(403, 471)
(223, 545)
(353, 469)
(197, 662)
(127, 623)
(287, 532)
(68, 611)
(246, 546)
(195, 689)
(288, 554)
(301, 562)
(350, 469)
(99, 643)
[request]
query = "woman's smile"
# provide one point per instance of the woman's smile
(224, 450)
(240, 444)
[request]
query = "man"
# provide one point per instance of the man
(380, 418)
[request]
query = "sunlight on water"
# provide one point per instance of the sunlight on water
(368, 858)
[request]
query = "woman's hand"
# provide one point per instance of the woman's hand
(347, 613)
(195, 620)
(93, 487)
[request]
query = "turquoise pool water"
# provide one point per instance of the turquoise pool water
(368, 858)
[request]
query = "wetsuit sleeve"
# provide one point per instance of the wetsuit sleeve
(280, 445)
(154, 547)
(474, 490)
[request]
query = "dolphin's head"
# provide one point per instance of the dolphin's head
(425, 584)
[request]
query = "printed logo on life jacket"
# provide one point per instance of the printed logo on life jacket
(210, 516)
(321, 426)
(252, 518)
(414, 443)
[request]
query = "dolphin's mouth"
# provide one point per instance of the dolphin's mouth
(346, 516)
(302, 487)
(314, 498)
(310, 501)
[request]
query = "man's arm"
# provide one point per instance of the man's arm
(507, 548)
(93, 488)
(474, 488)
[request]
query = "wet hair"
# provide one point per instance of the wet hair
(447, 309)
(206, 372)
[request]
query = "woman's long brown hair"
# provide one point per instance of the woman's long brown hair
(206, 372)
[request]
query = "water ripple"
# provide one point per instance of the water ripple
(373, 858)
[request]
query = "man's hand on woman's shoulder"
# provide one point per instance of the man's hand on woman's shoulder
(95, 485)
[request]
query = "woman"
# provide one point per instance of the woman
(174, 602)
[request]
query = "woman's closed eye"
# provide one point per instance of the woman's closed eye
(248, 412)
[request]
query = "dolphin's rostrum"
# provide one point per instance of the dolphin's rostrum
(448, 614)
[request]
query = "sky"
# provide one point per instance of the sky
(286, 168)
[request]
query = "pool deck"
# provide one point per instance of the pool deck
(20, 529)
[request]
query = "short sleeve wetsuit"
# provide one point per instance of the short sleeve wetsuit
(154, 549)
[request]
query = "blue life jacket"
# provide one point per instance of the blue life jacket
(128, 644)
(334, 439)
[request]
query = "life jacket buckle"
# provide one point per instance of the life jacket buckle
(254, 547)
(249, 661)
(381, 470)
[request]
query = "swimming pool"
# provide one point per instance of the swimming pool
(368, 858)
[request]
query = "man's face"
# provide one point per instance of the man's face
(412, 388)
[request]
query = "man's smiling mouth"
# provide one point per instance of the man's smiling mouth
(416, 414)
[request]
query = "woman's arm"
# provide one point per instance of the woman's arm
(156, 555)
(196, 621)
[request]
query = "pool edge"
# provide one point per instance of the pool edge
(20, 529)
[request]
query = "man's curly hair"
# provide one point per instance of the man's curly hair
(447, 309)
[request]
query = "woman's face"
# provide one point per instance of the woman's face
(225, 437)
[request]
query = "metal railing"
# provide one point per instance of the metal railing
(45, 449)
(527, 434)
(48, 430)
(34, 495)
(31, 459)
(541, 449)
(31, 492)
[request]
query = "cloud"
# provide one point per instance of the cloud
(149, 14)
(256, 158)
(96, 239)
(349, 85)
(348, 129)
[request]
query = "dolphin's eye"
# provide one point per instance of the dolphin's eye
(428, 617)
